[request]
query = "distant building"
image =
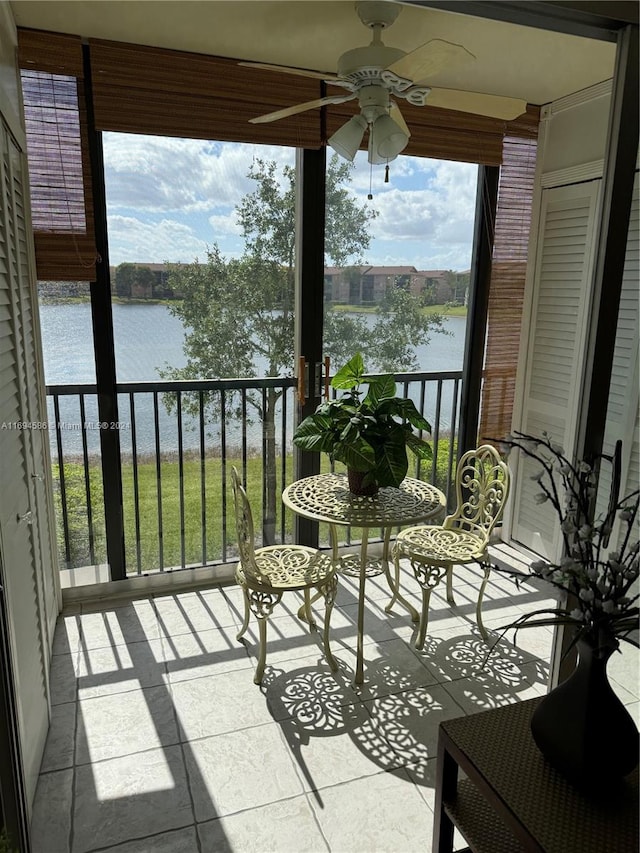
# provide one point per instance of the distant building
(145, 286)
(358, 285)
(367, 285)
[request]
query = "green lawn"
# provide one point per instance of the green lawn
(218, 504)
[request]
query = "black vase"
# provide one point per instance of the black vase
(581, 727)
(356, 486)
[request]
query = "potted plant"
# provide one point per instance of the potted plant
(369, 433)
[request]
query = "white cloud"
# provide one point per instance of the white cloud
(155, 173)
(425, 215)
(133, 240)
(425, 212)
(225, 224)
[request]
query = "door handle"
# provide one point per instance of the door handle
(26, 517)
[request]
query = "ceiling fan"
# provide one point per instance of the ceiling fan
(375, 73)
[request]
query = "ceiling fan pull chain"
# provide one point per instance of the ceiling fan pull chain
(386, 174)
(370, 196)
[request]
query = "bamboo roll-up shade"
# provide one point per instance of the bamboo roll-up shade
(448, 134)
(53, 52)
(65, 257)
(506, 289)
(58, 155)
(150, 90)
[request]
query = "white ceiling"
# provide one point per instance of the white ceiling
(516, 61)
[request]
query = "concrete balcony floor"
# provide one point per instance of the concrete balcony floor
(160, 741)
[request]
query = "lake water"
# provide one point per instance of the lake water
(149, 338)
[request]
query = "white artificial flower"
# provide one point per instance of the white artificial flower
(539, 566)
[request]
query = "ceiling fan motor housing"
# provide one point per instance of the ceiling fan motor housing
(366, 63)
(374, 102)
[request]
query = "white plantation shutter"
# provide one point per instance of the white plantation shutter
(554, 362)
(623, 421)
(26, 558)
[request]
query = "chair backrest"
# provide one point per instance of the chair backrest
(244, 526)
(482, 488)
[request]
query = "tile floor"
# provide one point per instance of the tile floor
(161, 743)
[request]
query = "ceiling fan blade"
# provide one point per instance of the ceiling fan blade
(396, 115)
(494, 106)
(327, 76)
(429, 58)
(300, 108)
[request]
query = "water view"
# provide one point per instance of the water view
(148, 339)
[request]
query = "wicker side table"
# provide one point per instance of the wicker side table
(513, 800)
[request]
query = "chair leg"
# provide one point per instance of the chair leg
(394, 586)
(306, 608)
(428, 576)
(486, 567)
(424, 618)
(245, 623)
(450, 598)
(262, 652)
(302, 613)
(262, 604)
(395, 582)
(329, 589)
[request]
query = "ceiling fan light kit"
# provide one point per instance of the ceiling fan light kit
(375, 72)
(347, 140)
(386, 137)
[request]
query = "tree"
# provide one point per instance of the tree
(131, 276)
(388, 339)
(459, 285)
(238, 311)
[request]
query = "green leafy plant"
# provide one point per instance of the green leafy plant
(368, 433)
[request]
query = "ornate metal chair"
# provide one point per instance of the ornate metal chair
(482, 487)
(265, 573)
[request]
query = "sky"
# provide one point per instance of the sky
(169, 199)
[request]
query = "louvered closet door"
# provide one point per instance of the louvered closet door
(22, 567)
(557, 333)
(623, 421)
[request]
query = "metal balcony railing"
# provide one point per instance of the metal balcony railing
(177, 443)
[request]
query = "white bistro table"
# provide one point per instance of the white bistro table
(326, 498)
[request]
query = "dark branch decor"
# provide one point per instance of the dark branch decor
(581, 726)
(600, 581)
